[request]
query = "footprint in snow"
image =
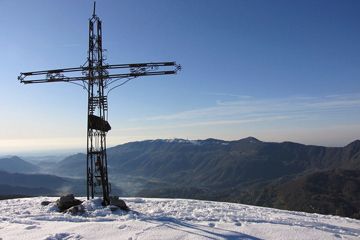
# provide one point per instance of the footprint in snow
(212, 225)
(30, 227)
(63, 236)
(122, 226)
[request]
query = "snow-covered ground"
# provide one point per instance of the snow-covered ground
(167, 219)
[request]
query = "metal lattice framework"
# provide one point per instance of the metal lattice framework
(97, 79)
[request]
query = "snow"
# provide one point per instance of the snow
(167, 219)
(177, 140)
(193, 142)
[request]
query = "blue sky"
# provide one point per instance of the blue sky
(275, 70)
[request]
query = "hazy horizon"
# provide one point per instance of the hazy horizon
(72, 151)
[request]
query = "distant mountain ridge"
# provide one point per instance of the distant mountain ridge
(246, 171)
(217, 164)
(38, 184)
(9, 190)
(33, 180)
(71, 166)
(214, 163)
(16, 164)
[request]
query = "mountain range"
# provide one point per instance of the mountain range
(16, 164)
(284, 175)
(36, 184)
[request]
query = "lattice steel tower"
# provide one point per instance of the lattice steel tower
(98, 81)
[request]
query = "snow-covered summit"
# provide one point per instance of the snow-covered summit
(167, 219)
(193, 142)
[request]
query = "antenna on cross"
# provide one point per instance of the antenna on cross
(94, 9)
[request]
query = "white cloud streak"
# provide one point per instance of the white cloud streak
(222, 94)
(295, 106)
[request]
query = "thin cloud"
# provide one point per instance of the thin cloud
(246, 119)
(220, 94)
(274, 106)
(226, 122)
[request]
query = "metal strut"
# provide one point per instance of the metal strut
(96, 77)
(96, 135)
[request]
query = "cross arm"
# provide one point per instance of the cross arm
(58, 78)
(57, 72)
(138, 74)
(136, 70)
(141, 65)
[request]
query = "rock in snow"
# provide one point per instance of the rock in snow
(166, 219)
(75, 210)
(66, 202)
(115, 201)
